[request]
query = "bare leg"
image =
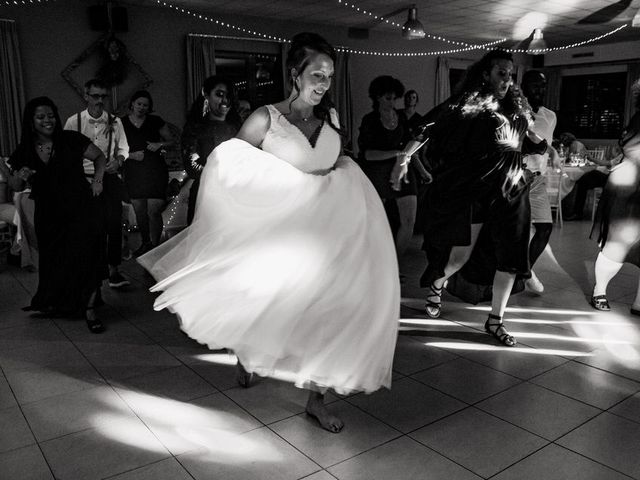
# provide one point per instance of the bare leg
(407, 215)
(318, 410)
(605, 269)
(636, 303)
(457, 258)
(502, 285)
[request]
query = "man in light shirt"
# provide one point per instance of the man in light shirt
(534, 86)
(106, 132)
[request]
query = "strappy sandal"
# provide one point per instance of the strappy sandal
(497, 330)
(600, 302)
(95, 325)
(433, 309)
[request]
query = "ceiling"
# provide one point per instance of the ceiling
(462, 20)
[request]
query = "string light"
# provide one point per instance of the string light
(484, 46)
(13, 3)
(427, 35)
(565, 47)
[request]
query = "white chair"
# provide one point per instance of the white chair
(554, 178)
(596, 193)
(595, 154)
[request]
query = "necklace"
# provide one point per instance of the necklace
(390, 121)
(44, 147)
(136, 122)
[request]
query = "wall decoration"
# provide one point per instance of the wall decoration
(108, 59)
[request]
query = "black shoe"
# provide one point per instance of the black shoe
(116, 280)
(573, 217)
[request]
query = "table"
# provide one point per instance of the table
(570, 175)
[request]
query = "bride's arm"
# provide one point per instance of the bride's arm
(255, 127)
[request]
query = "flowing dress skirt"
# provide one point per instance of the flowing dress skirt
(293, 271)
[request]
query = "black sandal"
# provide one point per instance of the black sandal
(95, 325)
(497, 330)
(600, 302)
(435, 306)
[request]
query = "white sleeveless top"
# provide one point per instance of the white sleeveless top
(287, 142)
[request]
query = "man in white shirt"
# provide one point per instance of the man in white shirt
(107, 133)
(534, 85)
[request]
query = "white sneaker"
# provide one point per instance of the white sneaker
(534, 284)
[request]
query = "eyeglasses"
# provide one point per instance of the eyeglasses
(98, 96)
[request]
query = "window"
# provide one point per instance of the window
(257, 76)
(592, 106)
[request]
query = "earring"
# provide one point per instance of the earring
(205, 107)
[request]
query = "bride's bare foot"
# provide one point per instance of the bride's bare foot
(317, 409)
(243, 377)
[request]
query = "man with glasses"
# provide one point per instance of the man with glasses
(107, 133)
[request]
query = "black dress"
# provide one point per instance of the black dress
(69, 224)
(373, 136)
(618, 214)
(476, 152)
(201, 138)
(147, 178)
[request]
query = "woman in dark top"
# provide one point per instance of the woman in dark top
(476, 147)
(145, 171)
(212, 120)
(618, 217)
(384, 132)
(68, 212)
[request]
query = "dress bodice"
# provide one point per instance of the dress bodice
(287, 142)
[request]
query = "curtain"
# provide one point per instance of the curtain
(201, 63)
(286, 86)
(341, 95)
(443, 87)
(11, 88)
(554, 84)
(633, 74)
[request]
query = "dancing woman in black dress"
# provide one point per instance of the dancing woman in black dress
(68, 212)
(476, 147)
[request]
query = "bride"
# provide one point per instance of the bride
(289, 261)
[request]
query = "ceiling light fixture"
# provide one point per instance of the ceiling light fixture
(537, 44)
(413, 29)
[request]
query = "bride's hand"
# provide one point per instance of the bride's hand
(399, 172)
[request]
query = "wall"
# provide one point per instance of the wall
(53, 34)
(595, 53)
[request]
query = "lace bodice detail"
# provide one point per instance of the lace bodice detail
(287, 142)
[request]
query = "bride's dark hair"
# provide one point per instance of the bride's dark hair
(303, 46)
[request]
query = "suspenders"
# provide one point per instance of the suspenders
(109, 120)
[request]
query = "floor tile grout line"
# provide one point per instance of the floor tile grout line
(591, 459)
(521, 459)
(144, 466)
(26, 420)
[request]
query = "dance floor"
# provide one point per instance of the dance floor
(142, 401)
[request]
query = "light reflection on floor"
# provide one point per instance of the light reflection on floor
(184, 426)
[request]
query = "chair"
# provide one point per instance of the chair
(596, 193)
(554, 178)
(595, 154)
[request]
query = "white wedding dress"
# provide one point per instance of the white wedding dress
(289, 262)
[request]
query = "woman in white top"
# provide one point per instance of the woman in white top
(289, 261)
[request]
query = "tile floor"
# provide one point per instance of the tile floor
(142, 401)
